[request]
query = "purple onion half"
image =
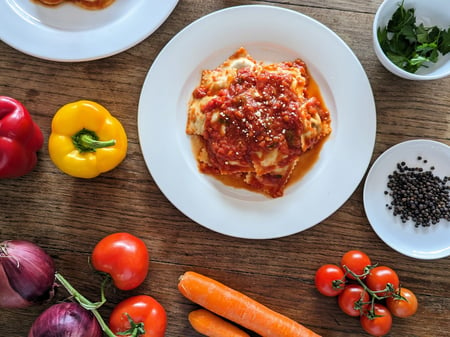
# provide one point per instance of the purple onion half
(27, 274)
(66, 320)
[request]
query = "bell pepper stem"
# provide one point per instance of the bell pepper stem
(87, 141)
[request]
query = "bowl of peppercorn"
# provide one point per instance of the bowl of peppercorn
(407, 200)
(411, 38)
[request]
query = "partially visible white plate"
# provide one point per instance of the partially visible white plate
(70, 33)
(423, 242)
(270, 34)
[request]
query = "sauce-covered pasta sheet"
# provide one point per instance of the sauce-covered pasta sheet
(254, 120)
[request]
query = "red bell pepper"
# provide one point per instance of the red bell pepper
(20, 139)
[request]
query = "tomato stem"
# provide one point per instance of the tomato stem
(85, 303)
(135, 330)
(338, 284)
(374, 294)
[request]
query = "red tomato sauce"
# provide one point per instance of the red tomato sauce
(259, 113)
(94, 5)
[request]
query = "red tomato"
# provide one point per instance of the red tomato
(380, 323)
(403, 307)
(380, 277)
(329, 280)
(124, 257)
(353, 300)
(356, 261)
(141, 309)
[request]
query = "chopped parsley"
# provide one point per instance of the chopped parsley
(411, 46)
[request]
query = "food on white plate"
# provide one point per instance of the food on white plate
(410, 45)
(417, 194)
(88, 4)
(252, 121)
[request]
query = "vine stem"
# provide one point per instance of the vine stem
(86, 304)
(373, 294)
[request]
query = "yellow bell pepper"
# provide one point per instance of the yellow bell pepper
(86, 140)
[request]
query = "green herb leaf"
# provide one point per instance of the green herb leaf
(408, 33)
(444, 41)
(401, 18)
(382, 37)
(422, 34)
(418, 60)
(426, 48)
(398, 60)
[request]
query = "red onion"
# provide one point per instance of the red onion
(66, 320)
(27, 274)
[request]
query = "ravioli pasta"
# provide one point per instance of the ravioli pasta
(89, 4)
(254, 120)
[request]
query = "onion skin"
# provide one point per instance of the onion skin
(27, 274)
(66, 320)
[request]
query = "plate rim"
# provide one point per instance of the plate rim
(370, 117)
(79, 44)
(375, 168)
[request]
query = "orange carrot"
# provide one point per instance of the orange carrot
(208, 324)
(239, 308)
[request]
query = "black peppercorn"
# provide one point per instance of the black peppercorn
(417, 195)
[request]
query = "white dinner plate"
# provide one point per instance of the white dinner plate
(269, 34)
(423, 242)
(69, 33)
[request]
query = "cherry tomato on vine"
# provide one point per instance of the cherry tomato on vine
(379, 277)
(381, 322)
(140, 309)
(356, 261)
(329, 280)
(124, 257)
(353, 300)
(403, 308)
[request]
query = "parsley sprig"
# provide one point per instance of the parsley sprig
(411, 46)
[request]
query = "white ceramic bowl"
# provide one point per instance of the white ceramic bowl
(428, 12)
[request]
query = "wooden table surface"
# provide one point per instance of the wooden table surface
(68, 216)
